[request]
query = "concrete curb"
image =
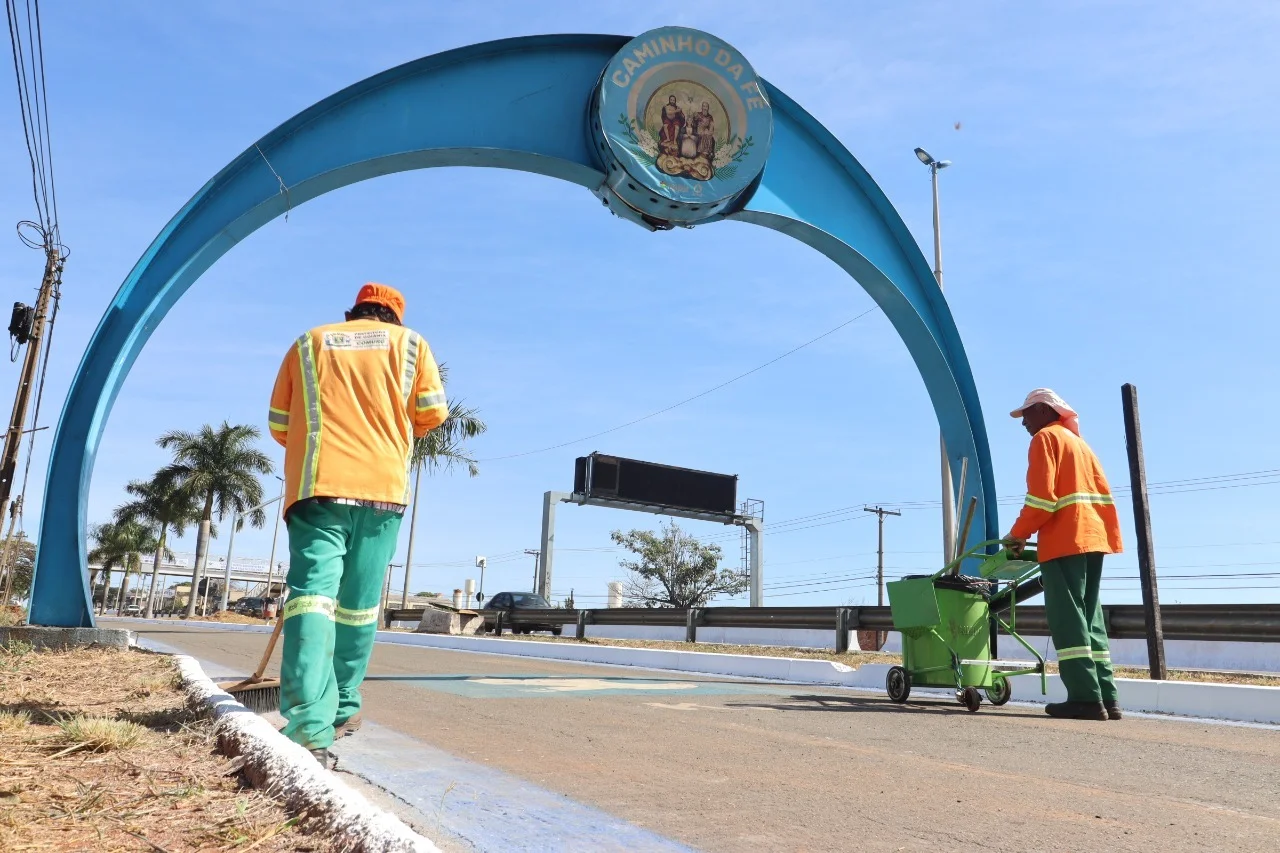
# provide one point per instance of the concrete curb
(287, 771)
(61, 639)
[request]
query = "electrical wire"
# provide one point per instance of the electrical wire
(697, 396)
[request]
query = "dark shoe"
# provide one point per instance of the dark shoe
(1076, 710)
(324, 757)
(347, 727)
(1113, 709)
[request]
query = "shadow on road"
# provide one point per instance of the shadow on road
(858, 704)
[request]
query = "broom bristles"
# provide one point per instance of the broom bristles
(258, 696)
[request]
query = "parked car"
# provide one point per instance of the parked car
(509, 602)
(132, 609)
(251, 606)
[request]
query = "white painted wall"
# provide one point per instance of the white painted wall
(1179, 654)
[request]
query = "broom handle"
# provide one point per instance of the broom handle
(271, 647)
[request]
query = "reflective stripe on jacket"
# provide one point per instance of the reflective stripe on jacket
(347, 404)
(1069, 508)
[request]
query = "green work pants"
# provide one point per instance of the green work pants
(1071, 591)
(338, 557)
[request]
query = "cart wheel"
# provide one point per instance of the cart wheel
(999, 691)
(972, 698)
(898, 683)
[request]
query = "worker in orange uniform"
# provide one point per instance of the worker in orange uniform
(348, 402)
(1069, 509)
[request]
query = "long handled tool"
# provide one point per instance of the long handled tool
(256, 693)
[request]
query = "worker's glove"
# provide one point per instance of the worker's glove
(1015, 545)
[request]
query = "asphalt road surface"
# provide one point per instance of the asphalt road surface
(726, 765)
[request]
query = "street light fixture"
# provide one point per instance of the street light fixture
(949, 545)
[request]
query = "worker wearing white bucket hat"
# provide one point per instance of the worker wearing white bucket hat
(1070, 511)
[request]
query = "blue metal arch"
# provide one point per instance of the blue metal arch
(524, 106)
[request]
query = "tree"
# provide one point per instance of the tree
(120, 545)
(160, 503)
(673, 569)
(22, 559)
(219, 467)
(440, 450)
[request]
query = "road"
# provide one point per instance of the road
(727, 765)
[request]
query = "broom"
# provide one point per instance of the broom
(256, 693)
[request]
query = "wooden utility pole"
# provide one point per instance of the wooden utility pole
(880, 512)
(17, 420)
(27, 379)
(1142, 523)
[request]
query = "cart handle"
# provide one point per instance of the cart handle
(976, 551)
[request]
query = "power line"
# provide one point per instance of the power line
(33, 104)
(697, 396)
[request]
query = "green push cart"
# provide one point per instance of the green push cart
(947, 621)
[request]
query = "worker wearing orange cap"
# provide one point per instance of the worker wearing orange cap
(1069, 509)
(348, 402)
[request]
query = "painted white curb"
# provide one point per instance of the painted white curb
(1235, 702)
(287, 771)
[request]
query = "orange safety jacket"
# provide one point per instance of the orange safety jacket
(1069, 508)
(347, 404)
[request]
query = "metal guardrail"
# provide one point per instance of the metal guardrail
(1247, 623)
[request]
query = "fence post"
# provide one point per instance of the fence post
(497, 625)
(842, 630)
(1142, 523)
(582, 624)
(691, 624)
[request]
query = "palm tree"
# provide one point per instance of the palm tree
(120, 545)
(160, 504)
(441, 450)
(220, 467)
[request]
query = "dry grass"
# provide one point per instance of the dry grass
(98, 751)
(232, 618)
(13, 721)
(10, 616)
(856, 659)
(99, 734)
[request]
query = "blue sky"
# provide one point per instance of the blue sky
(1107, 220)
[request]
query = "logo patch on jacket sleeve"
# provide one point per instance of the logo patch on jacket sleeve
(375, 339)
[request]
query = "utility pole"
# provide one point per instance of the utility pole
(27, 379)
(537, 558)
(880, 512)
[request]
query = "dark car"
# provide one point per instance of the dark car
(508, 602)
(250, 606)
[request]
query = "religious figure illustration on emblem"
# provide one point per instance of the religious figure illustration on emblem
(685, 131)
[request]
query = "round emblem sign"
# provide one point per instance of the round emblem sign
(682, 126)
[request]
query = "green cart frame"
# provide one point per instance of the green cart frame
(947, 621)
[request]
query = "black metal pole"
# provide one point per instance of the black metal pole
(1142, 523)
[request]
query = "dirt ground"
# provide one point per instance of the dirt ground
(856, 659)
(98, 752)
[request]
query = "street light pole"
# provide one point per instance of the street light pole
(275, 533)
(948, 490)
(231, 541)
